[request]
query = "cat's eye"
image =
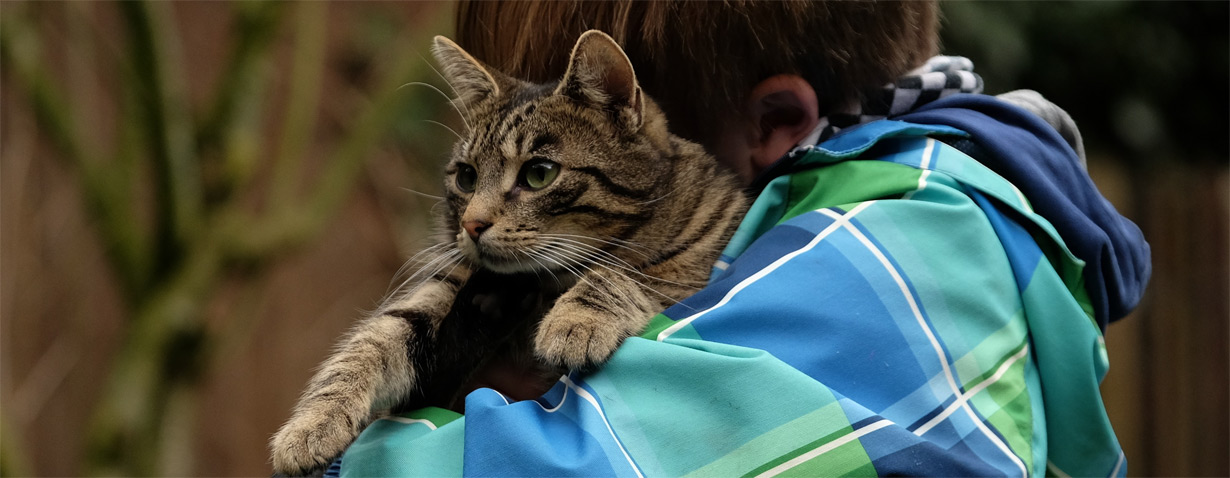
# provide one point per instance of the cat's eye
(467, 176)
(538, 173)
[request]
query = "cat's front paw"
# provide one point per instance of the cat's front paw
(577, 341)
(307, 444)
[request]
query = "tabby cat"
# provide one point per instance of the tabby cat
(568, 203)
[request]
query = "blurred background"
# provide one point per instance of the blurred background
(197, 198)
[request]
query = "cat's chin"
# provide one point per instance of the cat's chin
(505, 265)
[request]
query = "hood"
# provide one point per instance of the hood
(1034, 157)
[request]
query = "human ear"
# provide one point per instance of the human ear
(782, 111)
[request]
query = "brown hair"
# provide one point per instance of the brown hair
(700, 59)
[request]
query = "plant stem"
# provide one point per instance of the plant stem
(105, 193)
(177, 186)
(307, 73)
(126, 433)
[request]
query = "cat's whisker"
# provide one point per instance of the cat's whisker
(438, 215)
(614, 292)
(521, 266)
(437, 264)
(416, 258)
(659, 198)
(543, 267)
(593, 254)
(579, 260)
(450, 86)
(409, 286)
(608, 266)
(455, 264)
(629, 246)
(438, 256)
(420, 193)
(447, 97)
(579, 276)
(647, 287)
(612, 241)
(632, 246)
(459, 138)
(452, 263)
(588, 248)
(611, 259)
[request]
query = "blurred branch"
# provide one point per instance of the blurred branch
(105, 192)
(307, 73)
(256, 23)
(20, 51)
(177, 183)
(232, 125)
(295, 221)
(126, 435)
(143, 421)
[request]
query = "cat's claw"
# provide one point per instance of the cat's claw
(308, 444)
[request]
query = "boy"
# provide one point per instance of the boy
(919, 288)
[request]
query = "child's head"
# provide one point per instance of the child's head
(724, 71)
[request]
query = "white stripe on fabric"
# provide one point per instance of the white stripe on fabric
(412, 421)
(1118, 465)
(935, 344)
(827, 447)
(1021, 197)
(1003, 369)
(841, 220)
(1050, 466)
(581, 392)
(925, 166)
(562, 398)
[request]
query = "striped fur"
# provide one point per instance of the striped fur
(631, 224)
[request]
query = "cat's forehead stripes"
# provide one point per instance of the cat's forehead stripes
(541, 140)
(502, 125)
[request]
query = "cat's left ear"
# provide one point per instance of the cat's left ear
(467, 76)
(600, 74)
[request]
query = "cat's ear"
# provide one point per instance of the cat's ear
(600, 74)
(467, 76)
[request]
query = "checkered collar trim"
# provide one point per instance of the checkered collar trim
(939, 77)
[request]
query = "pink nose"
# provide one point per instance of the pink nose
(475, 228)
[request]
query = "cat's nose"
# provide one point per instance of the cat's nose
(475, 228)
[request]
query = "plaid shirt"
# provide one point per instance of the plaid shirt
(889, 307)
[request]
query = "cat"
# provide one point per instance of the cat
(573, 217)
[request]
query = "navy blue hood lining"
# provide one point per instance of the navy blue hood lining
(1030, 154)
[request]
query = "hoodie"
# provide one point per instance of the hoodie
(888, 306)
(1033, 155)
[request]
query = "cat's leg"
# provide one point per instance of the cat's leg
(591, 319)
(372, 369)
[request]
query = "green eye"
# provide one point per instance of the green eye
(466, 177)
(538, 173)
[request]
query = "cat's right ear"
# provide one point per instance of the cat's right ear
(600, 74)
(466, 75)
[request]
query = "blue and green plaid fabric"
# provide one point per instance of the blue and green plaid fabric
(892, 307)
